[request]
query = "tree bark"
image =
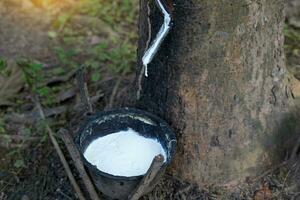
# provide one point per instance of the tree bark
(220, 81)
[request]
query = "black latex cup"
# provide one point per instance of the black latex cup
(104, 123)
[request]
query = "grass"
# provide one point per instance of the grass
(118, 59)
(111, 22)
(292, 40)
(116, 54)
(292, 49)
(2, 64)
(115, 13)
(35, 78)
(2, 125)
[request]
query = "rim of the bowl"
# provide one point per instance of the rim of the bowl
(161, 123)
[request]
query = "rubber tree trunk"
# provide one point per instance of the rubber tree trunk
(219, 79)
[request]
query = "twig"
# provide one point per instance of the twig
(102, 81)
(270, 171)
(73, 151)
(63, 194)
(60, 153)
(60, 79)
(114, 92)
(148, 178)
(84, 94)
(183, 190)
(93, 99)
(285, 178)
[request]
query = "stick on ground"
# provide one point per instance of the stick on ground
(83, 90)
(73, 151)
(114, 93)
(148, 178)
(60, 153)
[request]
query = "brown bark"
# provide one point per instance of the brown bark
(219, 79)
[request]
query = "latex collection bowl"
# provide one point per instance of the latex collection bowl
(108, 122)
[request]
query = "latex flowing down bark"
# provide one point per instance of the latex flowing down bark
(163, 32)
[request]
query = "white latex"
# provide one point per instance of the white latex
(164, 30)
(124, 153)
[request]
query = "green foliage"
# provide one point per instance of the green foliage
(62, 19)
(112, 12)
(119, 59)
(96, 76)
(292, 34)
(32, 71)
(3, 64)
(52, 34)
(17, 156)
(5, 140)
(3, 68)
(35, 78)
(19, 163)
(2, 126)
(66, 56)
(58, 71)
(116, 54)
(292, 39)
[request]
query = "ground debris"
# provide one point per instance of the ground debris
(11, 82)
(264, 193)
(170, 188)
(65, 95)
(60, 79)
(33, 116)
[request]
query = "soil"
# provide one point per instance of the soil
(24, 32)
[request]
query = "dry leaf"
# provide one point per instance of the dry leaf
(11, 82)
(264, 193)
